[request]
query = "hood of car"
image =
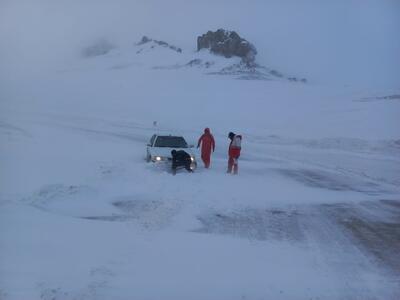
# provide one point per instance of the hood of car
(166, 151)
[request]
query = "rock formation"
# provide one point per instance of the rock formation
(228, 44)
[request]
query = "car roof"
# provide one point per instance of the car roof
(168, 135)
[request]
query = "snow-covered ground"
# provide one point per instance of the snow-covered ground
(313, 214)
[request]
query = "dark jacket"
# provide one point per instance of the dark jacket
(180, 156)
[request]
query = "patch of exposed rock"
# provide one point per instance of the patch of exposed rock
(200, 63)
(146, 40)
(254, 72)
(228, 44)
(388, 97)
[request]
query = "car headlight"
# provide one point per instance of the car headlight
(192, 158)
(158, 158)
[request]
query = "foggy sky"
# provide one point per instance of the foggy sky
(327, 41)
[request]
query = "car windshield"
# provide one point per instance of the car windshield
(171, 142)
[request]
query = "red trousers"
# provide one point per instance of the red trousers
(207, 146)
(233, 164)
(206, 158)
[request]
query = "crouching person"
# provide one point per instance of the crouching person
(181, 158)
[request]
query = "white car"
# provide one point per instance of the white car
(160, 146)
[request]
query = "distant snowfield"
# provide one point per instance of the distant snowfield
(313, 214)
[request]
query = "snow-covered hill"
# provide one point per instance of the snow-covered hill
(314, 212)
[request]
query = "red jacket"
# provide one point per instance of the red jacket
(207, 142)
(235, 146)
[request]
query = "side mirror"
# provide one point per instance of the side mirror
(148, 145)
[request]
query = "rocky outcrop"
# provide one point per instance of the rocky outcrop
(199, 63)
(228, 44)
(146, 40)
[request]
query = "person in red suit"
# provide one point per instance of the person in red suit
(234, 152)
(207, 145)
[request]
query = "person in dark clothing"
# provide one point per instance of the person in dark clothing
(181, 158)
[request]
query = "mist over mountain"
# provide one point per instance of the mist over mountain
(342, 42)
